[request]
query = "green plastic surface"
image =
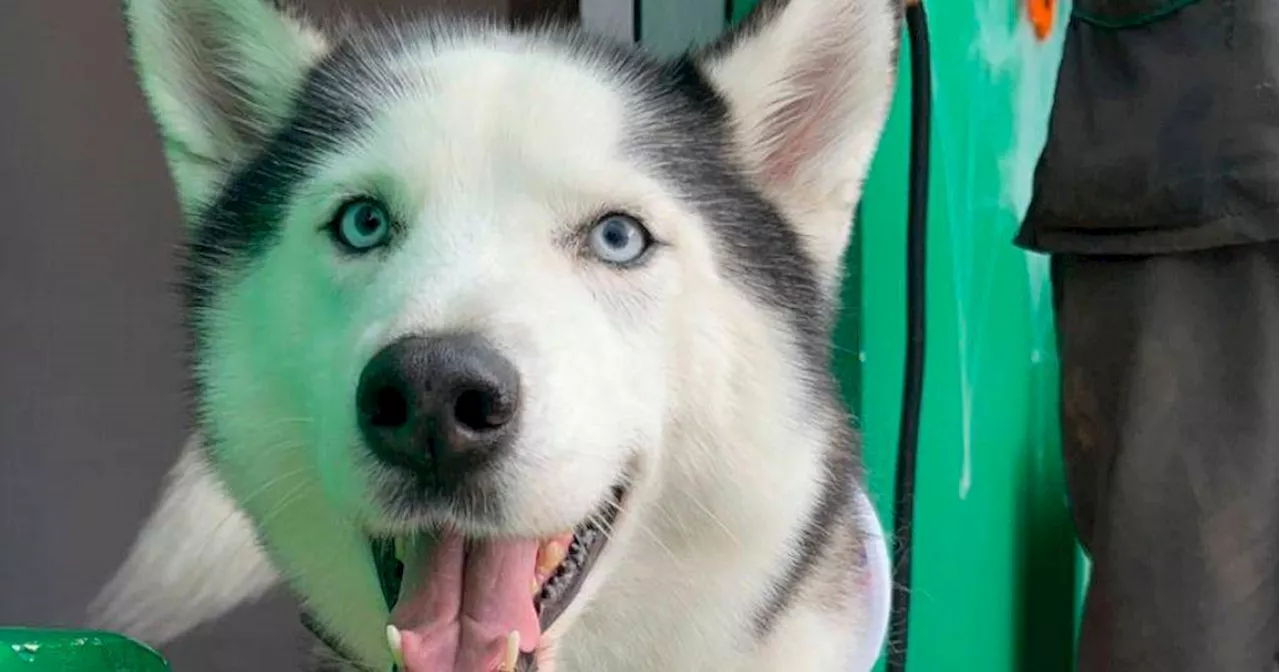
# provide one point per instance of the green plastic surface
(33, 650)
(997, 572)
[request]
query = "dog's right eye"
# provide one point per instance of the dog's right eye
(361, 225)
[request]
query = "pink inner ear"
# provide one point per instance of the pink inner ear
(800, 130)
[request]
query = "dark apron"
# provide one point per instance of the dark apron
(1163, 132)
(1156, 195)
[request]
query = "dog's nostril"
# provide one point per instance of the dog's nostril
(390, 408)
(480, 411)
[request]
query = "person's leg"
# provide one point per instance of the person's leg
(1169, 413)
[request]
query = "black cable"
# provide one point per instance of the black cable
(637, 33)
(913, 369)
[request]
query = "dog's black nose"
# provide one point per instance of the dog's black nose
(439, 405)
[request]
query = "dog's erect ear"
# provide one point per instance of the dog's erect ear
(808, 84)
(196, 559)
(219, 76)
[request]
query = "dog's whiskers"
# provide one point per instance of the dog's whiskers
(715, 519)
(242, 503)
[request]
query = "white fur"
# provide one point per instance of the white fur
(496, 148)
(256, 61)
(828, 59)
(196, 533)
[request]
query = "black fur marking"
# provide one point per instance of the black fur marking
(833, 504)
(243, 222)
(688, 142)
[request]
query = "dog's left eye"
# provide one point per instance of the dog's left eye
(361, 225)
(619, 239)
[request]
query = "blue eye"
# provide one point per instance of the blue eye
(362, 225)
(619, 239)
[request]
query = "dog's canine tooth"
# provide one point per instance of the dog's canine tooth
(396, 643)
(512, 654)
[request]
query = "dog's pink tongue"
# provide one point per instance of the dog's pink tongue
(460, 601)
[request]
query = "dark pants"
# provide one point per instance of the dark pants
(1169, 413)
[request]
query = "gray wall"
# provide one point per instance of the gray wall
(91, 405)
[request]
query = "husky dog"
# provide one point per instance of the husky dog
(511, 346)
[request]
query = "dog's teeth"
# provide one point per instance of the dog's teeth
(512, 654)
(550, 556)
(399, 546)
(396, 642)
(534, 587)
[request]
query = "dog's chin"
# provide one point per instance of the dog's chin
(564, 558)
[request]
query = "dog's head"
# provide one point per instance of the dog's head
(472, 282)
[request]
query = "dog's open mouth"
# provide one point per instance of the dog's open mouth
(481, 605)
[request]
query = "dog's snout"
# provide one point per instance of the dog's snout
(438, 405)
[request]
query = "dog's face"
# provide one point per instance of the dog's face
(467, 310)
(474, 280)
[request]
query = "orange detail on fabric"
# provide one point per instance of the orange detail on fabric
(1041, 13)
